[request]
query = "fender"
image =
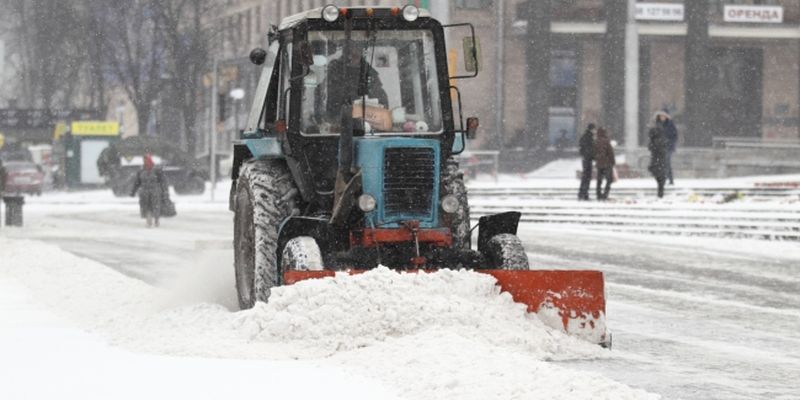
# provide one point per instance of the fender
(491, 225)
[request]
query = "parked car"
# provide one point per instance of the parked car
(24, 177)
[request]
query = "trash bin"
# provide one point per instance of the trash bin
(13, 210)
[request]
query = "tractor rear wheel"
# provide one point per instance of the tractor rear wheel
(260, 208)
(459, 221)
(505, 251)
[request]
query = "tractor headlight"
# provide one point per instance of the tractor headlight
(366, 202)
(330, 13)
(410, 13)
(450, 204)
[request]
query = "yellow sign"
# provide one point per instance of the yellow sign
(95, 128)
(2, 140)
(59, 130)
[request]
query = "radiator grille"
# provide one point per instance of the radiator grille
(408, 181)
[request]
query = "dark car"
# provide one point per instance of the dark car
(120, 162)
(23, 177)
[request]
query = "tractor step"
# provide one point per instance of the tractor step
(572, 301)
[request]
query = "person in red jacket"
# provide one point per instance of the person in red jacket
(604, 161)
(152, 186)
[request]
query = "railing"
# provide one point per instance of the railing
(733, 142)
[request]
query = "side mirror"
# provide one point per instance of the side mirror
(258, 56)
(472, 127)
(472, 53)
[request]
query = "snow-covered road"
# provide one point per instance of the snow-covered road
(692, 317)
(695, 318)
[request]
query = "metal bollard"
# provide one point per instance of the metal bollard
(13, 210)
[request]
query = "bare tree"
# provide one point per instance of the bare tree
(186, 41)
(132, 45)
(49, 41)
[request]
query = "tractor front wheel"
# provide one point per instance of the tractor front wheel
(301, 254)
(505, 251)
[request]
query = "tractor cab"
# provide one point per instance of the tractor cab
(358, 92)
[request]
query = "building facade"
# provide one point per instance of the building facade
(722, 68)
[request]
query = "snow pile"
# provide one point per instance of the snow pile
(449, 334)
(347, 312)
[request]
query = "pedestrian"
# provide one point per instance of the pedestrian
(561, 143)
(605, 162)
(664, 122)
(659, 155)
(152, 187)
(586, 148)
(3, 175)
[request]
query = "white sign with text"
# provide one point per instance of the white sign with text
(757, 14)
(659, 12)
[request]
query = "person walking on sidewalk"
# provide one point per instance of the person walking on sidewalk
(670, 132)
(586, 148)
(152, 187)
(605, 162)
(658, 147)
(3, 176)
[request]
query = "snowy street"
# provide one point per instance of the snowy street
(691, 317)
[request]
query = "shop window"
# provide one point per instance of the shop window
(474, 4)
(578, 10)
(563, 96)
(563, 78)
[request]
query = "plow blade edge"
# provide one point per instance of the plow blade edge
(570, 301)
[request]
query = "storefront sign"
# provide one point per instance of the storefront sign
(95, 128)
(659, 12)
(757, 14)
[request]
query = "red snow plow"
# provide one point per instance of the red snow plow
(570, 301)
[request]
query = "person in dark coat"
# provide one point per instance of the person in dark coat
(586, 148)
(338, 90)
(605, 162)
(670, 132)
(152, 187)
(3, 176)
(659, 150)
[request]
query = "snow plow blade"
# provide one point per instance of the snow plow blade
(570, 301)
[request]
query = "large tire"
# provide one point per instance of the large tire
(459, 222)
(301, 254)
(505, 251)
(259, 212)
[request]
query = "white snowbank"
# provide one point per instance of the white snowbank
(443, 335)
(348, 312)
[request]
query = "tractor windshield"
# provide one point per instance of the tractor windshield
(398, 89)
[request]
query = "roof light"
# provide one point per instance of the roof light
(370, 12)
(395, 11)
(330, 13)
(410, 13)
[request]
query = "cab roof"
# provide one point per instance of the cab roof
(316, 13)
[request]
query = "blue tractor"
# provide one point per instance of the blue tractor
(347, 159)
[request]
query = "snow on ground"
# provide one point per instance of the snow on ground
(377, 335)
(561, 173)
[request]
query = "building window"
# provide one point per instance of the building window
(473, 4)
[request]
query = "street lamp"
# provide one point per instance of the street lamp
(237, 95)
